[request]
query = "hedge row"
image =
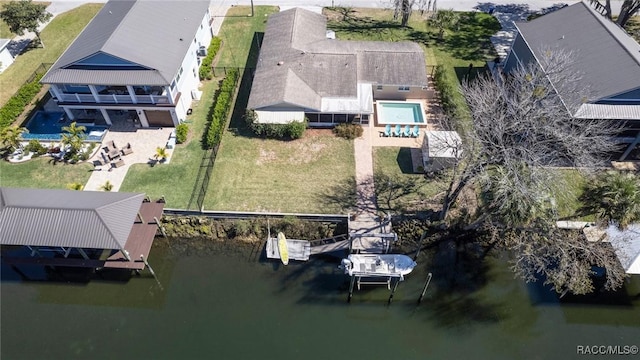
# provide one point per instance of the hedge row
(293, 130)
(16, 105)
(206, 72)
(221, 109)
(453, 102)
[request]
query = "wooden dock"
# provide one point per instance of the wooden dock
(298, 249)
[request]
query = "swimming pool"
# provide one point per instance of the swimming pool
(47, 126)
(400, 112)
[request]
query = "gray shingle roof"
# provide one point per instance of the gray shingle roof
(295, 48)
(146, 32)
(81, 219)
(607, 57)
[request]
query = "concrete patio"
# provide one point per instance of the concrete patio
(143, 143)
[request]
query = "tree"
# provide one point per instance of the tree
(614, 197)
(161, 154)
(403, 8)
(629, 8)
(25, 15)
(10, 138)
(521, 129)
(107, 186)
(73, 135)
(444, 19)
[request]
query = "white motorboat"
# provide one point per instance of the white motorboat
(378, 265)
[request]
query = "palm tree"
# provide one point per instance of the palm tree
(10, 137)
(161, 154)
(444, 19)
(73, 136)
(107, 186)
(614, 197)
(75, 186)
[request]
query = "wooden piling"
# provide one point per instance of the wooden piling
(353, 280)
(395, 286)
(164, 234)
(424, 235)
(151, 271)
(424, 289)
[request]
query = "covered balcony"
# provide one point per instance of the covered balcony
(112, 94)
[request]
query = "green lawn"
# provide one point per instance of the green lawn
(305, 175)
(567, 198)
(43, 173)
(414, 193)
(237, 34)
(56, 37)
(177, 179)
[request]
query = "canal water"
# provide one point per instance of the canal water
(228, 302)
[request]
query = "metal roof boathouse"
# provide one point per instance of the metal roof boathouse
(78, 228)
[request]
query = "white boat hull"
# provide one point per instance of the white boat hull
(383, 265)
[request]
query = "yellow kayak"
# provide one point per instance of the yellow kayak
(283, 248)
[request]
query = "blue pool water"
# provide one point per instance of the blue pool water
(400, 113)
(47, 126)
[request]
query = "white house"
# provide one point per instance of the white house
(139, 58)
(6, 58)
(304, 72)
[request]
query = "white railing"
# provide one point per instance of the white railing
(114, 99)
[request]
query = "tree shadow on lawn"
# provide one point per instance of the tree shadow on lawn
(472, 40)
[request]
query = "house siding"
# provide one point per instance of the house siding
(391, 92)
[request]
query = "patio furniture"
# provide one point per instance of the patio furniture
(114, 153)
(407, 131)
(397, 131)
(117, 164)
(415, 132)
(127, 149)
(99, 162)
(387, 131)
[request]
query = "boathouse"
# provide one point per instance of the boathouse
(78, 228)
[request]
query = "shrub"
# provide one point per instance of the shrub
(292, 130)
(205, 67)
(35, 147)
(16, 104)
(181, 133)
(223, 102)
(348, 131)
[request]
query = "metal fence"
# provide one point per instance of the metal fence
(40, 70)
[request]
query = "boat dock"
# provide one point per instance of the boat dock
(298, 249)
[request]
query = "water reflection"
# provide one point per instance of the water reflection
(226, 300)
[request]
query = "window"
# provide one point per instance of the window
(194, 40)
(195, 73)
(379, 87)
(200, 26)
(403, 88)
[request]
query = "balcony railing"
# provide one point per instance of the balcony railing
(113, 99)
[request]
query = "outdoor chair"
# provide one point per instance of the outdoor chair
(387, 131)
(407, 131)
(415, 132)
(127, 149)
(397, 131)
(117, 164)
